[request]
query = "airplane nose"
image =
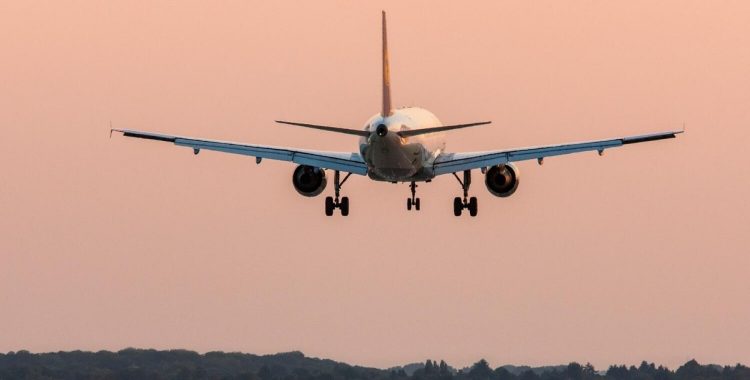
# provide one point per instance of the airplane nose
(381, 130)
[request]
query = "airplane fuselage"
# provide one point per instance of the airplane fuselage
(393, 158)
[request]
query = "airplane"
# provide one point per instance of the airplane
(398, 145)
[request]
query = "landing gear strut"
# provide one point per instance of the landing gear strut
(465, 203)
(413, 201)
(334, 203)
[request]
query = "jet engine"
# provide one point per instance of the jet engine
(502, 180)
(309, 180)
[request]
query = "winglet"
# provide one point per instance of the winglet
(386, 111)
(112, 129)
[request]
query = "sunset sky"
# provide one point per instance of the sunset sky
(642, 254)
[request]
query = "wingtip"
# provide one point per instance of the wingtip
(112, 129)
(115, 130)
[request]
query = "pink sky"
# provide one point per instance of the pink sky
(110, 243)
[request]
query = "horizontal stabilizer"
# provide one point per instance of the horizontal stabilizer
(357, 132)
(415, 132)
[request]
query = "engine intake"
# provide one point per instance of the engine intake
(502, 180)
(309, 180)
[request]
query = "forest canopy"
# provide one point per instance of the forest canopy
(183, 364)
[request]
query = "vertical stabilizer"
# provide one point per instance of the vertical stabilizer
(386, 75)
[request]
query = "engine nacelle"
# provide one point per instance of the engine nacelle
(309, 180)
(502, 180)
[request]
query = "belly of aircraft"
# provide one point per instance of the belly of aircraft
(391, 162)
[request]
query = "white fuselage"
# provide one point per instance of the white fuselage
(393, 158)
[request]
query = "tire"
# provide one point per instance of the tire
(344, 206)
(458, 205)
(408, 204)
(329, 206)
(416, 204)
(473, 207)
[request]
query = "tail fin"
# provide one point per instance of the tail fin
(386, 75)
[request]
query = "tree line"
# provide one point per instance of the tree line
(183, 364)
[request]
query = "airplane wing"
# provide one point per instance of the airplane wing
(342, 161)
(456, 162)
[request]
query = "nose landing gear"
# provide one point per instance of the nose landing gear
(413, 201)
(465, 203)
(334, 203)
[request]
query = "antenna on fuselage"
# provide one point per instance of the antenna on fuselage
(386, 111)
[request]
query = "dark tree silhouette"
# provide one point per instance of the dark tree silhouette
(182, 364)
(481, 371)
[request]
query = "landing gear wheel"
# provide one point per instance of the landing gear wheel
(472, 206)
(458, 206)
(465, 203)
(344, 206)
(334, 203)
(413, 201)
(329, 206)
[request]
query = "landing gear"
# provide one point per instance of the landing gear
(334, 203)
(413, 201)
(466, 203)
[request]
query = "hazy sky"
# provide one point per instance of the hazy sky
(109, 243)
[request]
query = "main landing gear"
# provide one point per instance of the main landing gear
(465, 203)
(334, 203)
(413, 201)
